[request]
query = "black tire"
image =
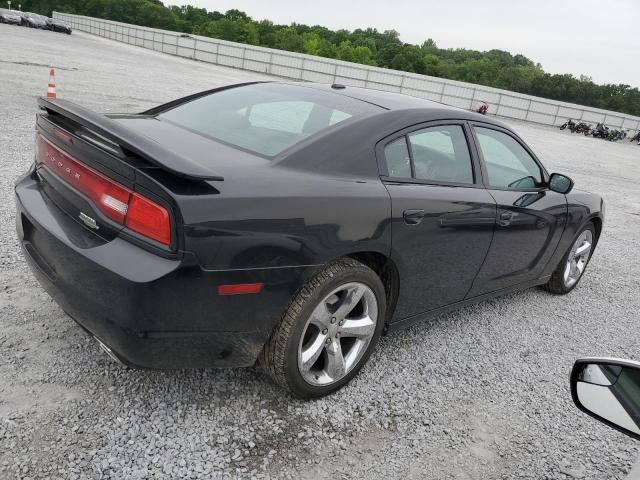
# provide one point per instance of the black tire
(279, 357)
(556, 283)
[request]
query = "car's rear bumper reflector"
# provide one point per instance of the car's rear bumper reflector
(240, 289)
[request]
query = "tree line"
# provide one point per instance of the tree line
(494, 68)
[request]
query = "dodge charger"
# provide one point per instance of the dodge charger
(288, 225)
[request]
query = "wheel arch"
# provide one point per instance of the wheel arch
(597, 223)
(388, 272)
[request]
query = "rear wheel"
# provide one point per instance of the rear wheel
(328, 332)
(572, 266)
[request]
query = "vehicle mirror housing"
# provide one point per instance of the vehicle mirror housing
(609, 390)
(560, 183)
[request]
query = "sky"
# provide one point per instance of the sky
(596, 38)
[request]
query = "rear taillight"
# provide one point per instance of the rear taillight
(118, 203)
(148, 219)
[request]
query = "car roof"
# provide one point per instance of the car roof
(398, 103)
(381, 98)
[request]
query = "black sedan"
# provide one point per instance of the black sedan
(58, 26)
(33, 20)
(288, 224)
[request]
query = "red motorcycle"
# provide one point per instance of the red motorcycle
(483, 108)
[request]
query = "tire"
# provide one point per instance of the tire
(327, 296)
(559, 284)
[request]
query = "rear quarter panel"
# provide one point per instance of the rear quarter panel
(275, 216)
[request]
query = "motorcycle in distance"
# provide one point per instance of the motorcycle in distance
(483, 108)
(601, 131)
(569, 123)
(582, 127)
(616, 134)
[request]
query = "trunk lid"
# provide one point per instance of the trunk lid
(103, 176)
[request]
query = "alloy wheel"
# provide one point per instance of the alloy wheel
(578, 258)
(337, 334)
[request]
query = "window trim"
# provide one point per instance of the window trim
(463, 124)
(514, 136)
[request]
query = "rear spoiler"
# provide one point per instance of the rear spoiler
(124, 138)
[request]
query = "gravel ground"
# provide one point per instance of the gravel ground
(477, 394)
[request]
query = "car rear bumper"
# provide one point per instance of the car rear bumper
(151, 312)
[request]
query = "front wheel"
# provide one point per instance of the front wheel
(572, 266)
(328, 332)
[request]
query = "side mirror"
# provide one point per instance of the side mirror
(560, 183)
(609, 390)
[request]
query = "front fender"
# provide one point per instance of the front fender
(582, 208)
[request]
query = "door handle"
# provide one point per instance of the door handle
(505, 218)
(413, 217)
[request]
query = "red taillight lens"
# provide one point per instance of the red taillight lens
(112, 199)
(149, 219)
(118, 203)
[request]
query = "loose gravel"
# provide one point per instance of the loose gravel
(480, 393)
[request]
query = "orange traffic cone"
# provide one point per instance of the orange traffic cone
(51, 89)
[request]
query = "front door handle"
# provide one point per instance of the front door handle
(413, 217)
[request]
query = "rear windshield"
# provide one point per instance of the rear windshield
(265, 118)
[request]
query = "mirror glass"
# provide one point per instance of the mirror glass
(560, 183)
(611, 392)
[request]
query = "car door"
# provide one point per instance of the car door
(442, 217)
(530, 217)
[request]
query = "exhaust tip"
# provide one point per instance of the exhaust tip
(108, 351)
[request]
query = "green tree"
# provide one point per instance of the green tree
(289, 39)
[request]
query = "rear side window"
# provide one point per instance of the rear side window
(508, 164)
(437, 154)
(266, 118)
(396, 155)
(441, 154)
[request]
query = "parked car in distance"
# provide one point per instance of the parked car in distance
(608, 389)
(9, 16)
(33, 20)
(58, 26)
(288, 224)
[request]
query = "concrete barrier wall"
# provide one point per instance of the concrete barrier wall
(299, 66)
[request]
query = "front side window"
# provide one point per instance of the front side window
(265, 118)
(508, 164)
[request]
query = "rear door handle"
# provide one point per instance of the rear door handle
(505, 218)
(413, 217)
